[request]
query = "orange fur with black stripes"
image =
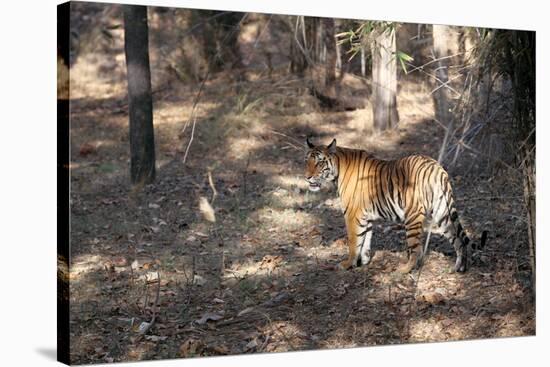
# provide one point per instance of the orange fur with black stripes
(414, 190)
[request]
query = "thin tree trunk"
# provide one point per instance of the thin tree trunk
(441, 40)
(142, 137)
(318, 29)
(529, 196)
(298, 48)
(220, 36)
(520, 58)
(363, 63)
(330, 47)
(440, 47)
(338, 58)
(384, 80)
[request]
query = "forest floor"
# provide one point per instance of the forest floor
(260, 278)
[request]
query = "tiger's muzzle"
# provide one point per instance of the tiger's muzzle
(314, 184)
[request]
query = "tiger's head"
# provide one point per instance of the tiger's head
(320, 164)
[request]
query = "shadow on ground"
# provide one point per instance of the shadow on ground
(266, 261)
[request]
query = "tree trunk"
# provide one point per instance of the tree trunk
(220, 38)
(330, 47)
(521, 67)
(529, 197)
(384, 80)
(298, 60)
(441, 38)
(304, 48)
(338, 58)
(142, 137)
(363, 63)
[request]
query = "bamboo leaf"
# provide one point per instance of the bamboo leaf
(403, 57)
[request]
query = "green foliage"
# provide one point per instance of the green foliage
(357, 38)
(403, 58)
(364, 35)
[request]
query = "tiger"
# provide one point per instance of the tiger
(414, 190)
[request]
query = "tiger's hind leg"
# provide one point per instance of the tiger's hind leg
(414, 230)
(454, 232)
(365, 251)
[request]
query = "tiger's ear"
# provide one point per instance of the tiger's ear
(332, 146)
(309, 143)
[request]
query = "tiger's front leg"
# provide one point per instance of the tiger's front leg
(355, 240)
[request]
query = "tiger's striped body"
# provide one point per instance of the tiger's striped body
(414, 190)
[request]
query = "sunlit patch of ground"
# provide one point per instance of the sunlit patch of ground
(84, 264)
(89, 82)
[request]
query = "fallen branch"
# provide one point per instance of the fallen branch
(214, 191)
(245, 174)
(144, 327)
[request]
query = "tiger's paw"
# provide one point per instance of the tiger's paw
(344, 265)
(407, 267)
(364, 260)
(460, 266)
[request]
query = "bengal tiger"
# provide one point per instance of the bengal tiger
(414, 190)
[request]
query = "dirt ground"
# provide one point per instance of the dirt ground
(260, 278)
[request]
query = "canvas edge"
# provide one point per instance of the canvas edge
(63, 185)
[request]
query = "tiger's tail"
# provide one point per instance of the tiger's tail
(460, 242)
(456, 229)
(461, 233)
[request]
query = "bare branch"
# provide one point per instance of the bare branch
(289, 137)
(432, 61)
(190, 140)
(199, 93)
(445, 84)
